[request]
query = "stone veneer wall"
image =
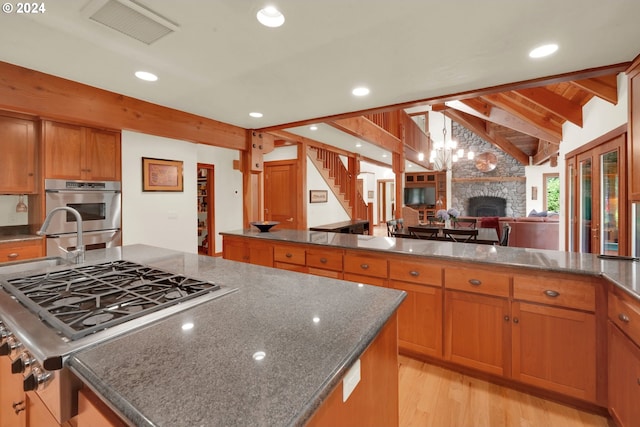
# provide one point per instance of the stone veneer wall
(513, 191)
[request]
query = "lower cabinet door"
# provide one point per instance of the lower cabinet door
(624, 379)
(420, 319)
(12, 399)
(37, 413)
(555, 349)
(477, 332)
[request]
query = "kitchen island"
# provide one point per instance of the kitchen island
(541, 321)
(270, 353)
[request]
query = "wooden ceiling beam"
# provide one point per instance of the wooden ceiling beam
(512, 106)
(546, 150)
(554, 103)
(504, 118)
(478, 126)
(605, 87)
(364, 129)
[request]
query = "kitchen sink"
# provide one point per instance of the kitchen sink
(32, 264)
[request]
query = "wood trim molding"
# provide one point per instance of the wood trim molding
(603, 138)
(31, 92)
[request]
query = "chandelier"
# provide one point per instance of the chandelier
(446, 152)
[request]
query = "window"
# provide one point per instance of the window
(551, 192)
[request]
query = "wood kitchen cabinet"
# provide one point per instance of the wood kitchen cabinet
(290, 257)
(18, 164)
(248, 250)
(554, 334)
(365, 268)
(92, 412)
(21, 250)
(633, 141)
(624, 378)
(420, 314)
(325, 262)
(81, 153)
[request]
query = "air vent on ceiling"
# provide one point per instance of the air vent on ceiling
(130, 18)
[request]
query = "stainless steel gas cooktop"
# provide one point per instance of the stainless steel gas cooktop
(83, 300)
(64, 310)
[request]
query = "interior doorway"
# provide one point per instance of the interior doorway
(281, 190)
(386, 200)
(206, 228)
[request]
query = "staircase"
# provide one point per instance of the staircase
(340, 181)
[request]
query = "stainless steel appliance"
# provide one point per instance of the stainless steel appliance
(45, 316)
(99, 205)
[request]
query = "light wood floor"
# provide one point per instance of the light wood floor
(436, 397)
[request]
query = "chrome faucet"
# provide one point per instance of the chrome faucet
(76, 255)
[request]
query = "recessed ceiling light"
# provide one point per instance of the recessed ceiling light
(144, 75)
(544, 50)
(270, 17)
(360, 91)
(384, 155)
(358, 145)
(313, 127)
(255, 114)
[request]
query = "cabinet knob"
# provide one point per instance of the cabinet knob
(623, 317)
(323, 260)
(475, 282)
(516, 320)
(552, 294)
(288, 255)
(364, 266)
(414, 273)
(12, 255)
(506, 318)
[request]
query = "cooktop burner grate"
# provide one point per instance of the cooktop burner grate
(82, 300)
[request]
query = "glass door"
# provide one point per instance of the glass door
(609, 209)
(571, 205)
(585, 205)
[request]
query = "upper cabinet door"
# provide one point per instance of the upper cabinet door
(102, 155)
(18, 166)
(76, 152)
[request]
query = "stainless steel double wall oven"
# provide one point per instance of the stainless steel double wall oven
(100, 206)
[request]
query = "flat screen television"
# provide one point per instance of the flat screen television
(420, 196)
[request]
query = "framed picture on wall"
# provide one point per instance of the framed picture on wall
(161, 175)
(318, 196)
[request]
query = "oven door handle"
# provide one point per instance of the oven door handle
(84, 191)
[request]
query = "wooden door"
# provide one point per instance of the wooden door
(63, 151)
(18, 168)
(555, 349)
(477, 332)
(281, 193)
(601, 199)
(102, 155)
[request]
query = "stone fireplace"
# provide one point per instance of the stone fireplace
(486, 206)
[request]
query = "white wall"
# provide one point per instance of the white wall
(599, 117)
(321, 213)
(372, 174)
(169, 219)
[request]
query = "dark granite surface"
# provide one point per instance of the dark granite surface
(17, 233)
(310, 328)
(625, 274)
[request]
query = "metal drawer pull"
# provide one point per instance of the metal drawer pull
(19, 407)
(13, 255)
(288, 255)
(323, 260)
(364, 266)
(624, 318)
(475, 282)
(414, 273)
(551, 293)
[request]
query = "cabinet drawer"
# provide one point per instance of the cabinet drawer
(415, 272)
(569, 293)
(289, 254)
(329, 260)
(625, 313)
(16, 251)
(365, 265)
(478, 281)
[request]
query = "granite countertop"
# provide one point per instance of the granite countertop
(310, 328)
(17, 233)
(625, 274)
